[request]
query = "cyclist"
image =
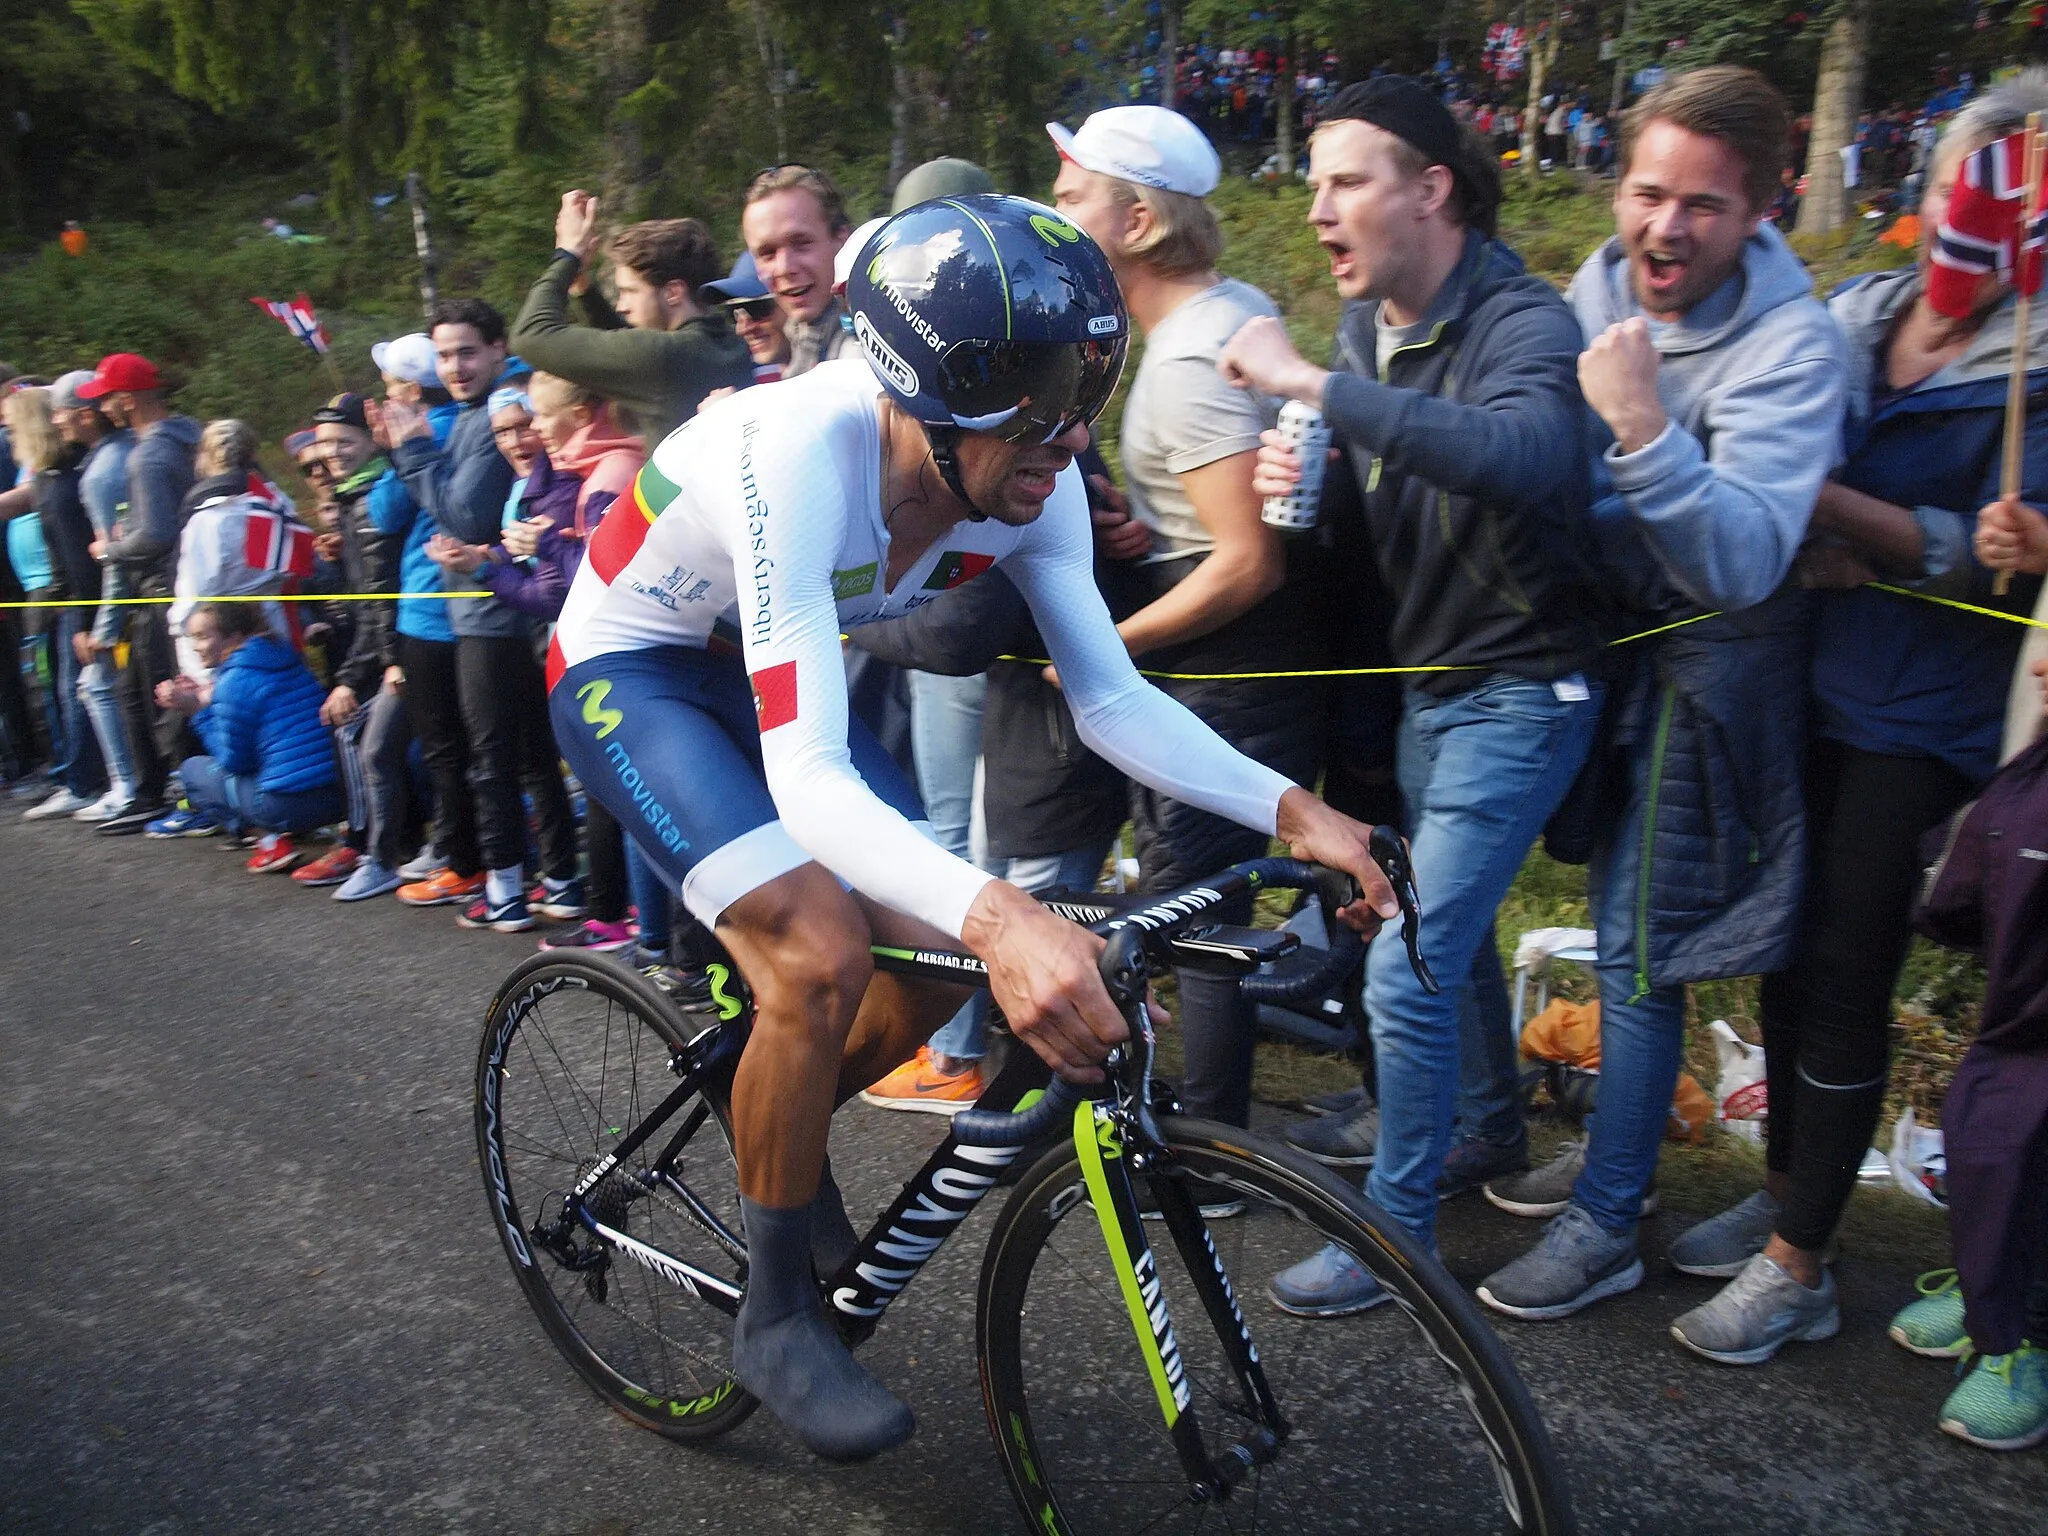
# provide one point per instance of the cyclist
(698, 690)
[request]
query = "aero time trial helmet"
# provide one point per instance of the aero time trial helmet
(988, 314)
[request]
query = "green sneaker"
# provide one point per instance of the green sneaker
(2002, 1405)
(1933, 1325)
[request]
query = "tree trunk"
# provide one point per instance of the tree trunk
(777, 75)
(899, 102)
(423, 243)
(627, 69)
(1169, 51)
(1837, 98)
(1622, 51)
(1283, 87)
(1542, 53)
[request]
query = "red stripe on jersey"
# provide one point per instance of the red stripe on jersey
(775, 695)
(557, 663)
(614, 543)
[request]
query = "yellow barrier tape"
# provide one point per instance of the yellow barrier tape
(254, 597)
(1029, 661)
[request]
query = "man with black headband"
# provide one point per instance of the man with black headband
(1455, 401)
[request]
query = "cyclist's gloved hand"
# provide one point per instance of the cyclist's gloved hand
(1043, 972)
(1314, 832)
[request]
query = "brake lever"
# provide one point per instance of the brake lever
(1392, 858)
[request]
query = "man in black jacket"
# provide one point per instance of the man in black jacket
(1456, 397)
(363, 707)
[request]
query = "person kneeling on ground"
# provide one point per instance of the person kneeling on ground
(269, 763)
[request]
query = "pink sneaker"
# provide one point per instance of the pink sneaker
(592, 935)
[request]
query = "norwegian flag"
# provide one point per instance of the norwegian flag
(296, 315)
(1981, 227)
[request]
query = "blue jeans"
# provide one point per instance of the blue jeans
(1642, 1042)
(1503, 755)
(945, 744)
(238, 800)
(81, 767)
(1489, 1057)
(109, 727)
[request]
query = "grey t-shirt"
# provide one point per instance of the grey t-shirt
(1387, 338)
(1182, 414)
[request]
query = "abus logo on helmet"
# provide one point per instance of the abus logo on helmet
(1102, 325)
(894, 371)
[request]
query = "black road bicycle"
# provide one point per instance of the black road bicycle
(1131, 1384)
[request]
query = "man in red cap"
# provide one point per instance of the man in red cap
(144, 545)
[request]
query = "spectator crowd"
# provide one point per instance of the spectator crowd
(1686, 452)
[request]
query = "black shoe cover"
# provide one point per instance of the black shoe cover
(832, 1236)
(787, 1354)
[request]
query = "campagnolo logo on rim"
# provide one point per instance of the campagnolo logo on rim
(892, 368)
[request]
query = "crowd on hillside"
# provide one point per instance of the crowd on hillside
(1686, 447)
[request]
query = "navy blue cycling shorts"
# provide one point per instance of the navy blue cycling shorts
(667, 740)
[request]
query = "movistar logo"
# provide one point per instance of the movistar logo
(593, 696)
(729, 1007)
(1054, 230)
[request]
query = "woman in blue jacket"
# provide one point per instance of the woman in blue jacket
(1908, 702)
(269, 761)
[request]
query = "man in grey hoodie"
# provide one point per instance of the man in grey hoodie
(144, 550)
(1718, 381)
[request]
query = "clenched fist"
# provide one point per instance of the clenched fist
(1618, 373)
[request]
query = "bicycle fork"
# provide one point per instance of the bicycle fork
(1106, 1170)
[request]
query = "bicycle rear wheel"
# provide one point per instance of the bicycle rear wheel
(1406, 1417)
(578, 1050)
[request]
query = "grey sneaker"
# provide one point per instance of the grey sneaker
(1328, 1283)
(1546, 1191)
(1760, 1309)
(1577, 1263)
(1722, 1246)
(1346, 1140)
(1340, 1102)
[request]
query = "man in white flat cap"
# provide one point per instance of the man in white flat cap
(1134, 179)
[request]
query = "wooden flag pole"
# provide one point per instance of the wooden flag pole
(2012, 468)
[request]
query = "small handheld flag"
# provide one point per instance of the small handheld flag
(296, 315)
(1993, 227)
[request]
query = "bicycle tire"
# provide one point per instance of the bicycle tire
(1059, 1366)
(541, 1122)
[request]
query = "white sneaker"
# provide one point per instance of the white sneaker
(427, 864)
(108, 806)
(62, 803)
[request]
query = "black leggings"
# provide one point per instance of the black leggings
(1827, 1021)
(511, 744)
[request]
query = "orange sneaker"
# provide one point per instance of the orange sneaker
(921, 1086)
(441, 889)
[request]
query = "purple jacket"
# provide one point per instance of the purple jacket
(1988, 892)
(550, 493)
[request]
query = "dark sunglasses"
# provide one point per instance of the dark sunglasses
(753, 309)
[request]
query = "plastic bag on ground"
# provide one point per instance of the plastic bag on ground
(1919, 1165)
(1742, 1094)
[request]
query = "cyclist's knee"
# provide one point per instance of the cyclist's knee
(804, 946)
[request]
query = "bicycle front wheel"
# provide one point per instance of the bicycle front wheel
(577, 1051)
(1405, 1417)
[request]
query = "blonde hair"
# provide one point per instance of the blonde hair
(2000, 111)
(226, 444)
(1183, 236)
(37, 443)
(563, 394)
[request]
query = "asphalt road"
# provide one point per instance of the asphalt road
(251, 1285)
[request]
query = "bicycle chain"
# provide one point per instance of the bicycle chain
(720, 1370)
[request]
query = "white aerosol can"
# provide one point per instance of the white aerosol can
(1303, 429)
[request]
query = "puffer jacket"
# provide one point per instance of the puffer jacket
(369, 563)
(264, 720)
(1700, 865)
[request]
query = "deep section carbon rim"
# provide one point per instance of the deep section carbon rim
(577, 1051)
(1405, 1417)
